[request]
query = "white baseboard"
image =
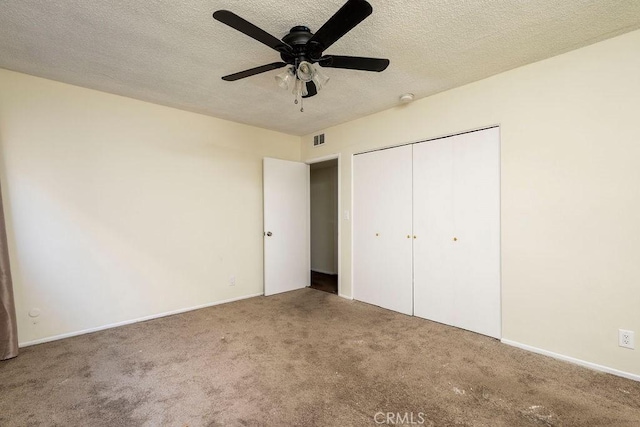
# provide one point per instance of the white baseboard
(345, 297)
(573, 360)
(128, 322)
(332, 273)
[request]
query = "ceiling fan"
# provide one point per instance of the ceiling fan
(300, 49)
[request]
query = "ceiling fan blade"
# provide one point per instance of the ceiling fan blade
(246, 27)
(354, 63)
(253, 71)
(312, 90)
(351, 14)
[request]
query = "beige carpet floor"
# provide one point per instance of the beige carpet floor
(304, 358)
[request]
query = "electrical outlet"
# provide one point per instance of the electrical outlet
(232, 281)
(626, 339)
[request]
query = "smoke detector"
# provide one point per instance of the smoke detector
(406, 98)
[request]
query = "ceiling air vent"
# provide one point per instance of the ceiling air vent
(318, 140)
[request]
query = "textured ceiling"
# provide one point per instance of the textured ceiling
(173, 53)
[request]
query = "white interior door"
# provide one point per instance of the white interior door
(286, 226)
(382, 249)
(457, 224)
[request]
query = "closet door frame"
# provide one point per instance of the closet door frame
(353, 283)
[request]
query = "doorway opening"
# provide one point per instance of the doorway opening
(324, 225)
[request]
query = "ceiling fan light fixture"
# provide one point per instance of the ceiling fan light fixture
(286, 79)
(320, 79)
(306, 71)
(300, 89)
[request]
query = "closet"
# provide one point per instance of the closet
(426, 224)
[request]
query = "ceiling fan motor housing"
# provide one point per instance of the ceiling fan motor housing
(298, 38)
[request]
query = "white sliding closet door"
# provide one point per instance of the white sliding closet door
(457, 224)
(382, 244)
(476, 217)
(434, 257)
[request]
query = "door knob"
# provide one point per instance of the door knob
(455, 239)
(269, 234)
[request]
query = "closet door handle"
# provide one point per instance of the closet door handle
(269, 234)
(455, 239)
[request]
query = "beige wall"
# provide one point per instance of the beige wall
(119, 209)
(570, 133)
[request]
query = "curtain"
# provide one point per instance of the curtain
(8, 326)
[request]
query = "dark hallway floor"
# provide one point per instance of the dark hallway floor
(324, 282)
